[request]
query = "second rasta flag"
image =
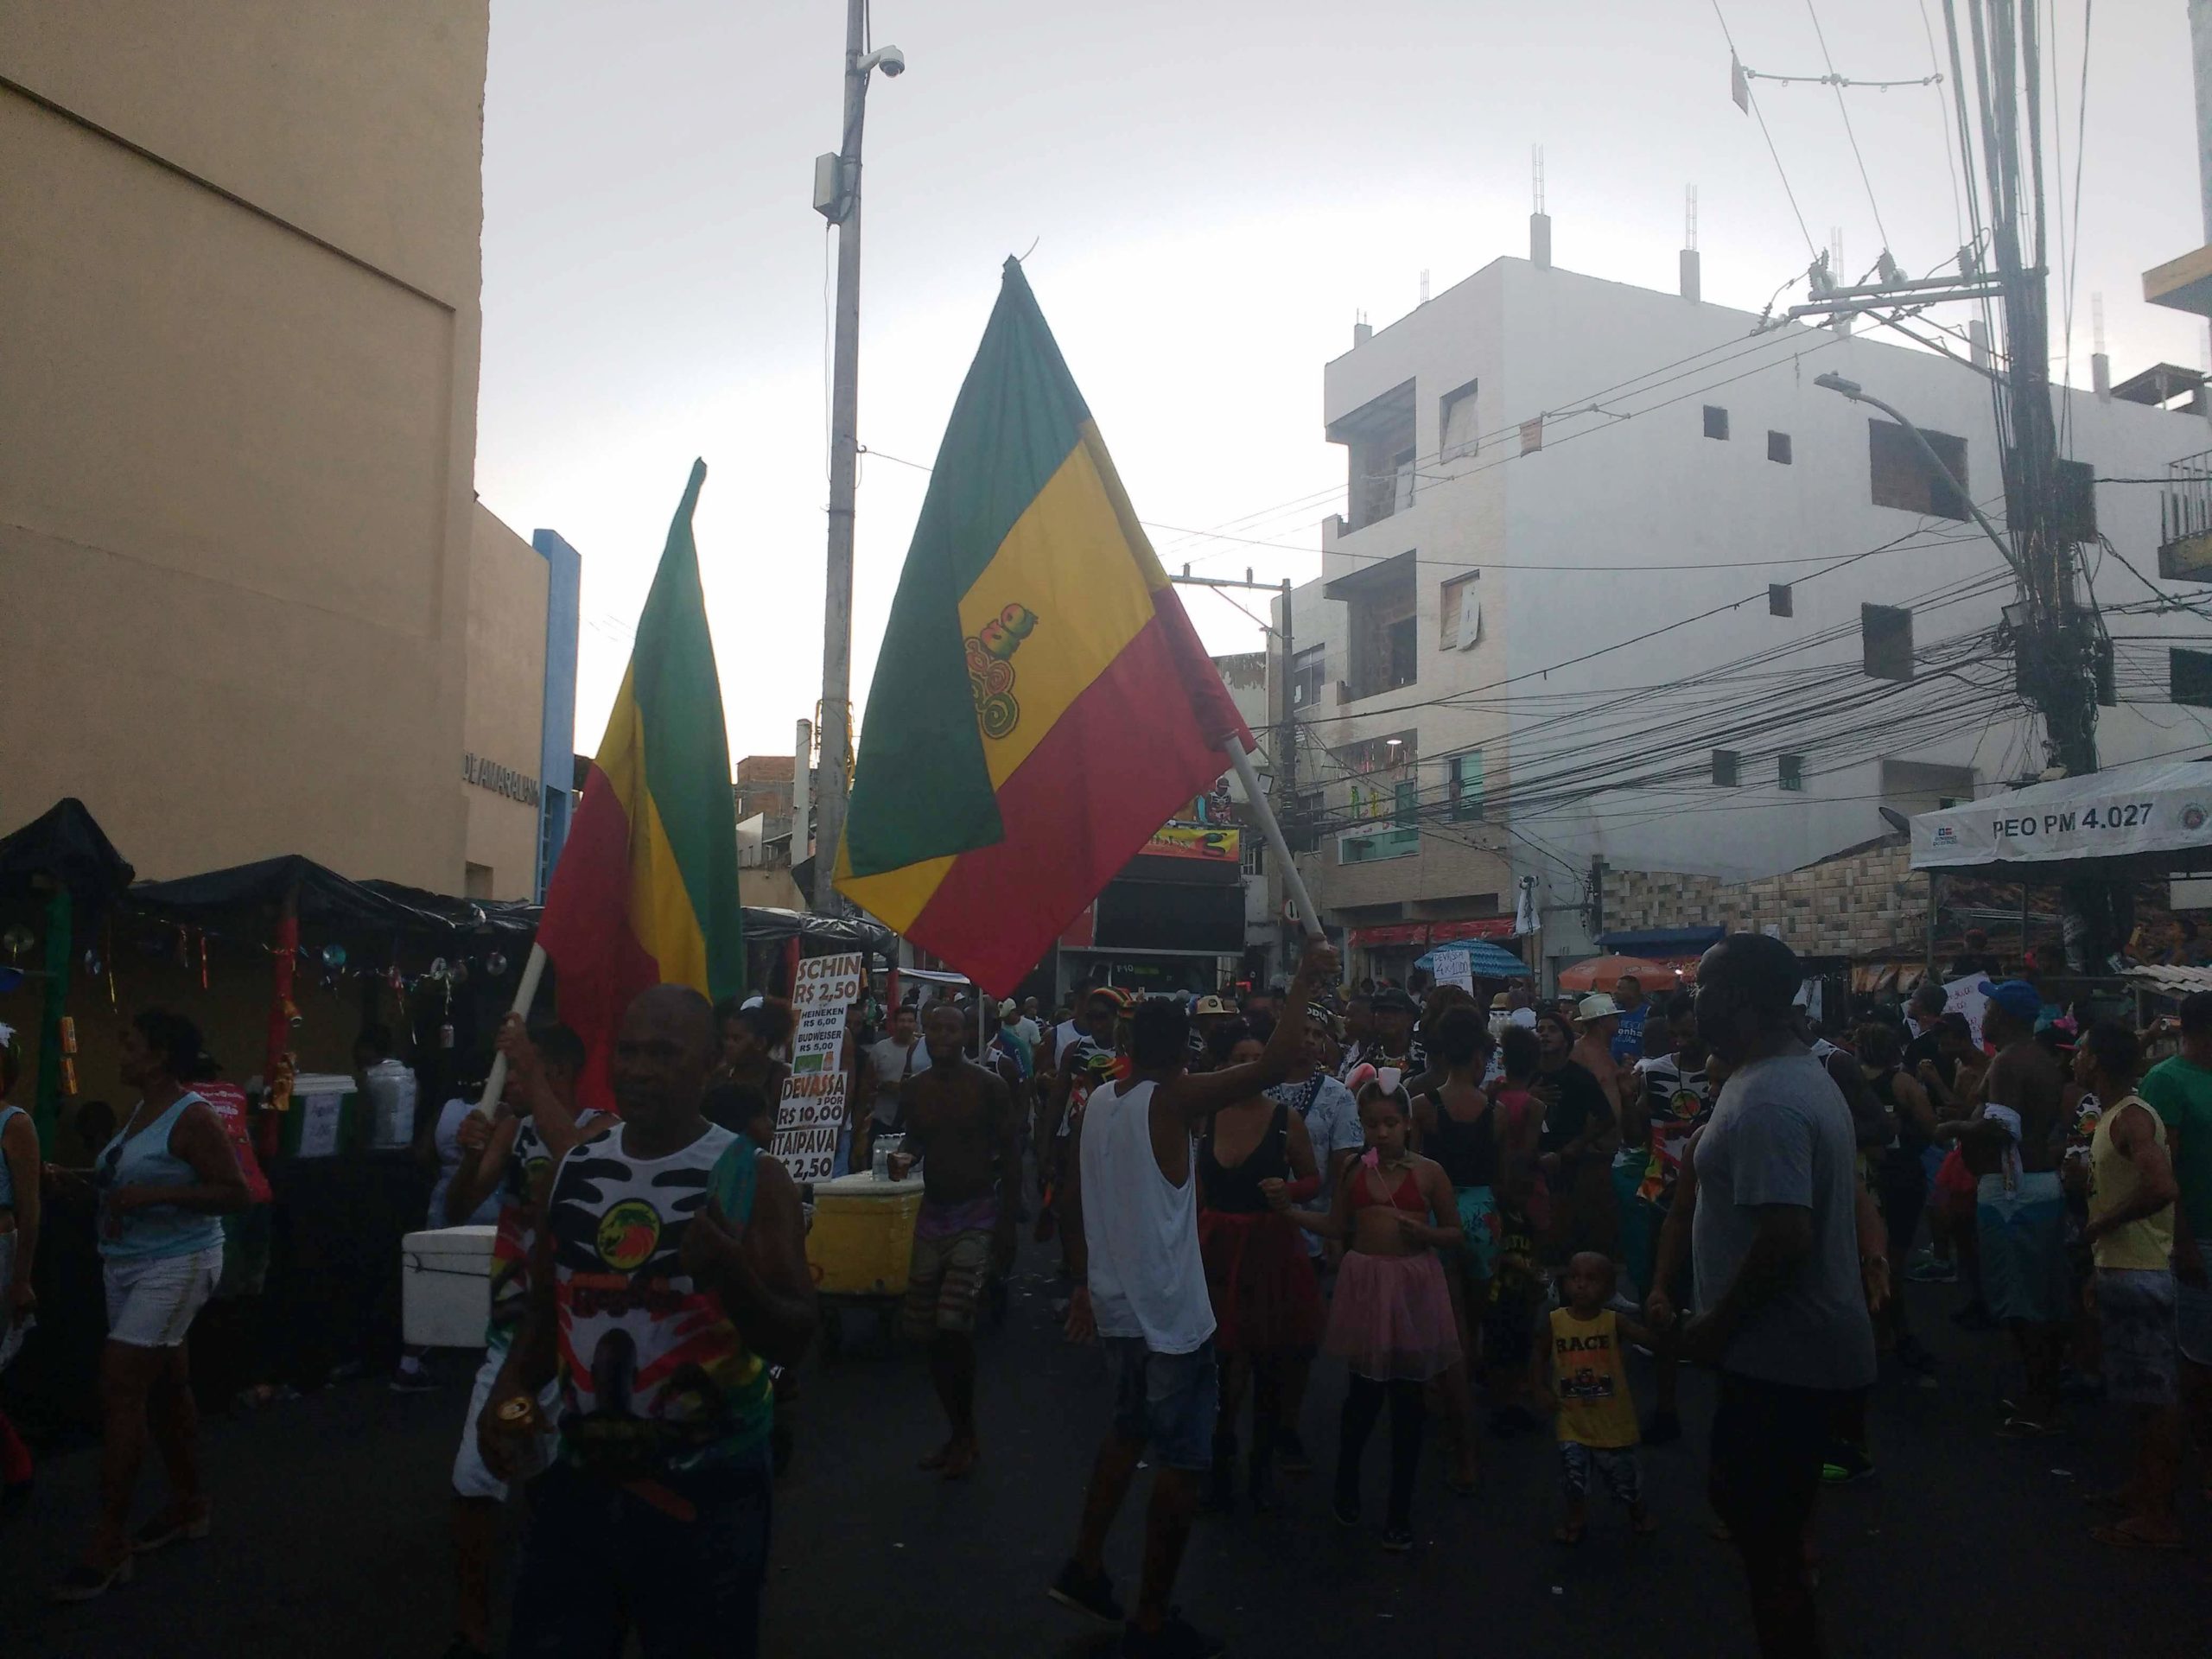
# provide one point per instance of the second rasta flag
(1041, 704)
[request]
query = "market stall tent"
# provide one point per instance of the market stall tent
(1605, 973)
(2158, 811)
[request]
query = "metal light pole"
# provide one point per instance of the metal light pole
(838, 198)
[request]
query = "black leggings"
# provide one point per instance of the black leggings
(1408, 1421)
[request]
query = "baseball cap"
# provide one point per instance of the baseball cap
(1210, 1004)
(2017, 997)
(1596, 1007)
(1393, 999)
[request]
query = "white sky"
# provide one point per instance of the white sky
(1213, 191)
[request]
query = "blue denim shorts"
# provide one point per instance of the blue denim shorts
(1167, 1401)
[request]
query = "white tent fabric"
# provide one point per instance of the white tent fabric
(2144, 806)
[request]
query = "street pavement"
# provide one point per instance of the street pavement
(330, 1541)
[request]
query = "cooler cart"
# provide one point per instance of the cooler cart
(858, 1250)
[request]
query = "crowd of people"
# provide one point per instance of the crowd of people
(1500, 1216)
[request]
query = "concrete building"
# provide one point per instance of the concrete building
(252, 606)
(1616, 585)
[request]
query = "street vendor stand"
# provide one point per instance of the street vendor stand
(2120, 823)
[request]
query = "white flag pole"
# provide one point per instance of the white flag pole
(1255, 798)
(525, 993)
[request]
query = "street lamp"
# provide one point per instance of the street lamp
(838, 198)
(1858, 394)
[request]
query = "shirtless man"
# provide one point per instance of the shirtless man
(2011, 1143)
(962, 1123)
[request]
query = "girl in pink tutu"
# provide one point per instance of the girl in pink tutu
(1391, 1318)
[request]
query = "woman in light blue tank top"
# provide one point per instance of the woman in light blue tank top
(164, 1184)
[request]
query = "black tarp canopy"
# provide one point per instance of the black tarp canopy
(64, 845)
(326, 899)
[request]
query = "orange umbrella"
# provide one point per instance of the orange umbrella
(1603, 973)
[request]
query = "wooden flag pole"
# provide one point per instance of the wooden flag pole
(1255, 798)
(525, 993)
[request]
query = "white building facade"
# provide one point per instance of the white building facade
(1617, 586)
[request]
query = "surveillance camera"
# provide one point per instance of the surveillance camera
(891, 61)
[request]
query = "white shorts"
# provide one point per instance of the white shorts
(151, 1300)
(470, 1478)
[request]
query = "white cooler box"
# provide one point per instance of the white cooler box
(446, 1274)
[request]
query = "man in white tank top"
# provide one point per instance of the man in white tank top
(1140, 1285)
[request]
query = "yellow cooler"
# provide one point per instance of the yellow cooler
(863, 1236)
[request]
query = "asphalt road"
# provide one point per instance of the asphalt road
(330, 1534)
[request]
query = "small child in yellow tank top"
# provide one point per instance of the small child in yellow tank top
(1580, 1372)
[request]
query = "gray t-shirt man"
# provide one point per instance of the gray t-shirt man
(1781, 1135)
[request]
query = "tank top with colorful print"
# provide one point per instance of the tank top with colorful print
(655, 1379)
(528, 1162)
(1591, 1380)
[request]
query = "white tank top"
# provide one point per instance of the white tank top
(1146, 1278)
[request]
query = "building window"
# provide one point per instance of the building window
(1778, 600)
(1792, 773)
(1726, 765)
(2188, 677)
(1902, 478)
(1464, 790)
(1455, 420)
(1302, 830)
(1255, 852)
(1307, 670)
(1405, 805)
(1777, 448)
(1716, 422)
(1379, 440)
(1458, 614)
(1885, 641)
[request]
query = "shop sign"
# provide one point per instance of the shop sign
(501, 780)
(1215, 843)
(812, 1110)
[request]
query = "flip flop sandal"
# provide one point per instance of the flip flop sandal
(2121, 1536)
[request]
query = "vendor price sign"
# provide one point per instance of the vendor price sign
(812, 1110)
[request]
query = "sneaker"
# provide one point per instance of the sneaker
(1927, 1268)
(1398, 1541)
(170, 1525)
(413, 1379)
(1175, 1639)
(1664, 1429)
(84, 1581)
(1847, 1462)
(1092, 1593)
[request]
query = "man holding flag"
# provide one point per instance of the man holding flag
(1041, 705)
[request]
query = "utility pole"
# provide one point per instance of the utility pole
(2054, 637)
(838, 198)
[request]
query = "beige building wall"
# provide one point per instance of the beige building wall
(505, 720)
(239, 337)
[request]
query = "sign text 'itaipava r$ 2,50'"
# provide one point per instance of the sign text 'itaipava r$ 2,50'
(812, 1110)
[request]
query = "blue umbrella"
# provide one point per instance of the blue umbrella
(1485, 960)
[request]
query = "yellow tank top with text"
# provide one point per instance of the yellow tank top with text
(1590, 1379)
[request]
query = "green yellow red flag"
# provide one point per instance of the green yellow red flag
(1041, 704)
(646, 890)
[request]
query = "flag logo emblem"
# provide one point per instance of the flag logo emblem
(990, 668)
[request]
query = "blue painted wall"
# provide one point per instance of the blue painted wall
(556, 760)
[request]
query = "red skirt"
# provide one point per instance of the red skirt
(1261, 1280)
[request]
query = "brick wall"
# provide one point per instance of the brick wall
(1853, 904)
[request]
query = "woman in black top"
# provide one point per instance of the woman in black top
(1267, 1306)
(1459, 1128)
(1577, 1122)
